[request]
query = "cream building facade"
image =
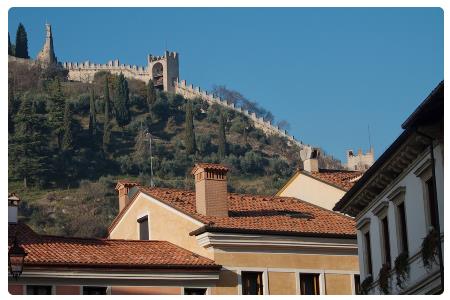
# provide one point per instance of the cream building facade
(320, 187)
(272, 261)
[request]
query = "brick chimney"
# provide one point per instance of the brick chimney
(123, 187)
(211, 195)
(13, 207)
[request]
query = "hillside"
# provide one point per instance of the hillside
(67, 182)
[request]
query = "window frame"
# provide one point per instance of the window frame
(364, 228)
(52, 288)
(319, 279)
(424, 173)
(107, 289)
(207, 290)
(398, 198)
(382, 213)
(264, 278)
(142, 218)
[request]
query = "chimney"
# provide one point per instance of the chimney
(13, 206)
(211, 195)
(311, 163)
(123, 187)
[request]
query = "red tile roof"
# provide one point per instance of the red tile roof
(44, 250)
(342, 179)
(253, 213)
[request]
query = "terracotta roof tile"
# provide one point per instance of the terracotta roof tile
(253, 213)
(210, 166)
(341, 178)
(84, 252)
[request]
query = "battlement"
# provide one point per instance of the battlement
(359, 161)
(112, 64)
(189, 91)
(167, 54)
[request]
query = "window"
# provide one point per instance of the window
(252, 283)
(143, 228)
(368, 256)
(195, 291)
(386, 244)
(357, 282)
(402, 227)
(94, 290)
(309, 284)
(39, 289)
(432, 205)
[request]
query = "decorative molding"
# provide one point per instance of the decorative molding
(217, 240)
(363, 223)
(381, 208)
(397, 194)
(422, 168)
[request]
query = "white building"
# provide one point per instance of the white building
(398, 206)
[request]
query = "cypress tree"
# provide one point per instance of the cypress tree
(106, 125)
(28, 147)
(9, 46)
(151, 95)
(67, 143)
(92, 116)
(121, 102)
(222, 149)
(141, 152)
(189, 139)
(21, 42)
(56, 113)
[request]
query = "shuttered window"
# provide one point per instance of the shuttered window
(252, 283)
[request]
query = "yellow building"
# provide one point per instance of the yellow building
(265, 244)
(321, 187)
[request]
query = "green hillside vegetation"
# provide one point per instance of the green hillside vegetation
(69, 142)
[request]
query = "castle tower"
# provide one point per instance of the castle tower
(360, 161)
(164, 70)
(47, 55)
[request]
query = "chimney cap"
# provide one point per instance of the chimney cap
(13, 199)
(210, 166)
(126, 183)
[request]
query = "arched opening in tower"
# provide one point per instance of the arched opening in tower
(157, 74)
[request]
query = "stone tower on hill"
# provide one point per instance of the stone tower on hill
(47, 55)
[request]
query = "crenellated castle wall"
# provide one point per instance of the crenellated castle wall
(85, 72)
(191, 92)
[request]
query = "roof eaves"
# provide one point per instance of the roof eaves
(208, 228)
(324, 181)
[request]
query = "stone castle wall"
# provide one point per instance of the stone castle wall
(85, 72)
(191, 92)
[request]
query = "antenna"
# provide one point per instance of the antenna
(370, 142)
(152, 184)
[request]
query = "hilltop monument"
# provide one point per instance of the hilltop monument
(47, 55)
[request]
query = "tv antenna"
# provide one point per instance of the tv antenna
(148, 134)
(370, 142)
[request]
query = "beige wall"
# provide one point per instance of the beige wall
(338, 284)
(165, 225)
(313, 191)
(227, 285)
(282, 283)
(145, 290)
(295, 261)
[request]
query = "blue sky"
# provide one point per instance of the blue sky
(329, 72)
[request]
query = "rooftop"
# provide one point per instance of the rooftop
(46, 250)
(257, 214)
(342, 179)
